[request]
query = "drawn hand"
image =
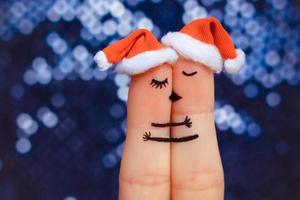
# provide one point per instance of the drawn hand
(147, 136)
(187, 122)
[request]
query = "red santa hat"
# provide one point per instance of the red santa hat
(207, 42)
(137, 53)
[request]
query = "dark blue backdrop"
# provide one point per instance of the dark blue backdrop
(62, 121)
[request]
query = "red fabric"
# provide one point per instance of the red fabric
(210, 30)
(137, 42)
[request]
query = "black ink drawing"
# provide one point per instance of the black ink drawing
(187, 122)
(147, 137)
(159, 84)
(189, 74)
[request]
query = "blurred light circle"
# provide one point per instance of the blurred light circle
(208, 2)
(220, 116)
(53, 16)
(247, 9)
(124, 126)
(267, 82)
(273, 99)
(126, 17)
(100, 75)
(251, 90)
(30, 77)
(39, 63)
(234, 121)
(187, 17)
(66, 65)
(252, 27)
(123, 93)
(23, 145)
(32, 129)
(58, 74)
(253, 130)
(44, 76)
(216, 13)
(228, 109)
(279, 4)
(272, 58)
(237, 79)
(48, 118)
(124, 29)
(85, 34)
(146, 23)
(80, 53)
(69, 15)
(109, 27)
(260, 73)
(223, 126)
(61, 7)
(133, 2)
(199, 12)
(86, 74)
(240, 129)
(17, 91)
(70, 198)
(120, 149)
(18, 9)
(58, 100)
(122, 80)
(232, 8)
(231, 20)
(117, 9)
(117, 111)
(112, 135)
(156, 31)
(24, 121)
(26, 26)
(109, 160)
(51, 37)
(190, 4)
(100, 7)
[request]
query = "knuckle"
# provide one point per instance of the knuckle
(199, 180)
(151, 179)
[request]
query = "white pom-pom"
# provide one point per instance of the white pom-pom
(234, 65)
(101, 60)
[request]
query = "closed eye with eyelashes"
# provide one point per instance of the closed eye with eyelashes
(159, 84)
(189, 74)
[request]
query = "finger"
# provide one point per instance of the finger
(145, 166)
(196, 169)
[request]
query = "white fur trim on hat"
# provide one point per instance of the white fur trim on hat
(234, 65)
(146, 60)
(102, 61)
(194, 49)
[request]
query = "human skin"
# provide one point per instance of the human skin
(196, 169)
(164, 170)
(145, 165)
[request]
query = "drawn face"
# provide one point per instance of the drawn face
(150, 91)
(167, 97)
(194, 83)
(193, 87)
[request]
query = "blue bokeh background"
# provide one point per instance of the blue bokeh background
(63, 122)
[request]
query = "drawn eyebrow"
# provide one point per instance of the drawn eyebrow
(189, 74)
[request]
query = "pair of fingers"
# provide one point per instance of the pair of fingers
(163, 170)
